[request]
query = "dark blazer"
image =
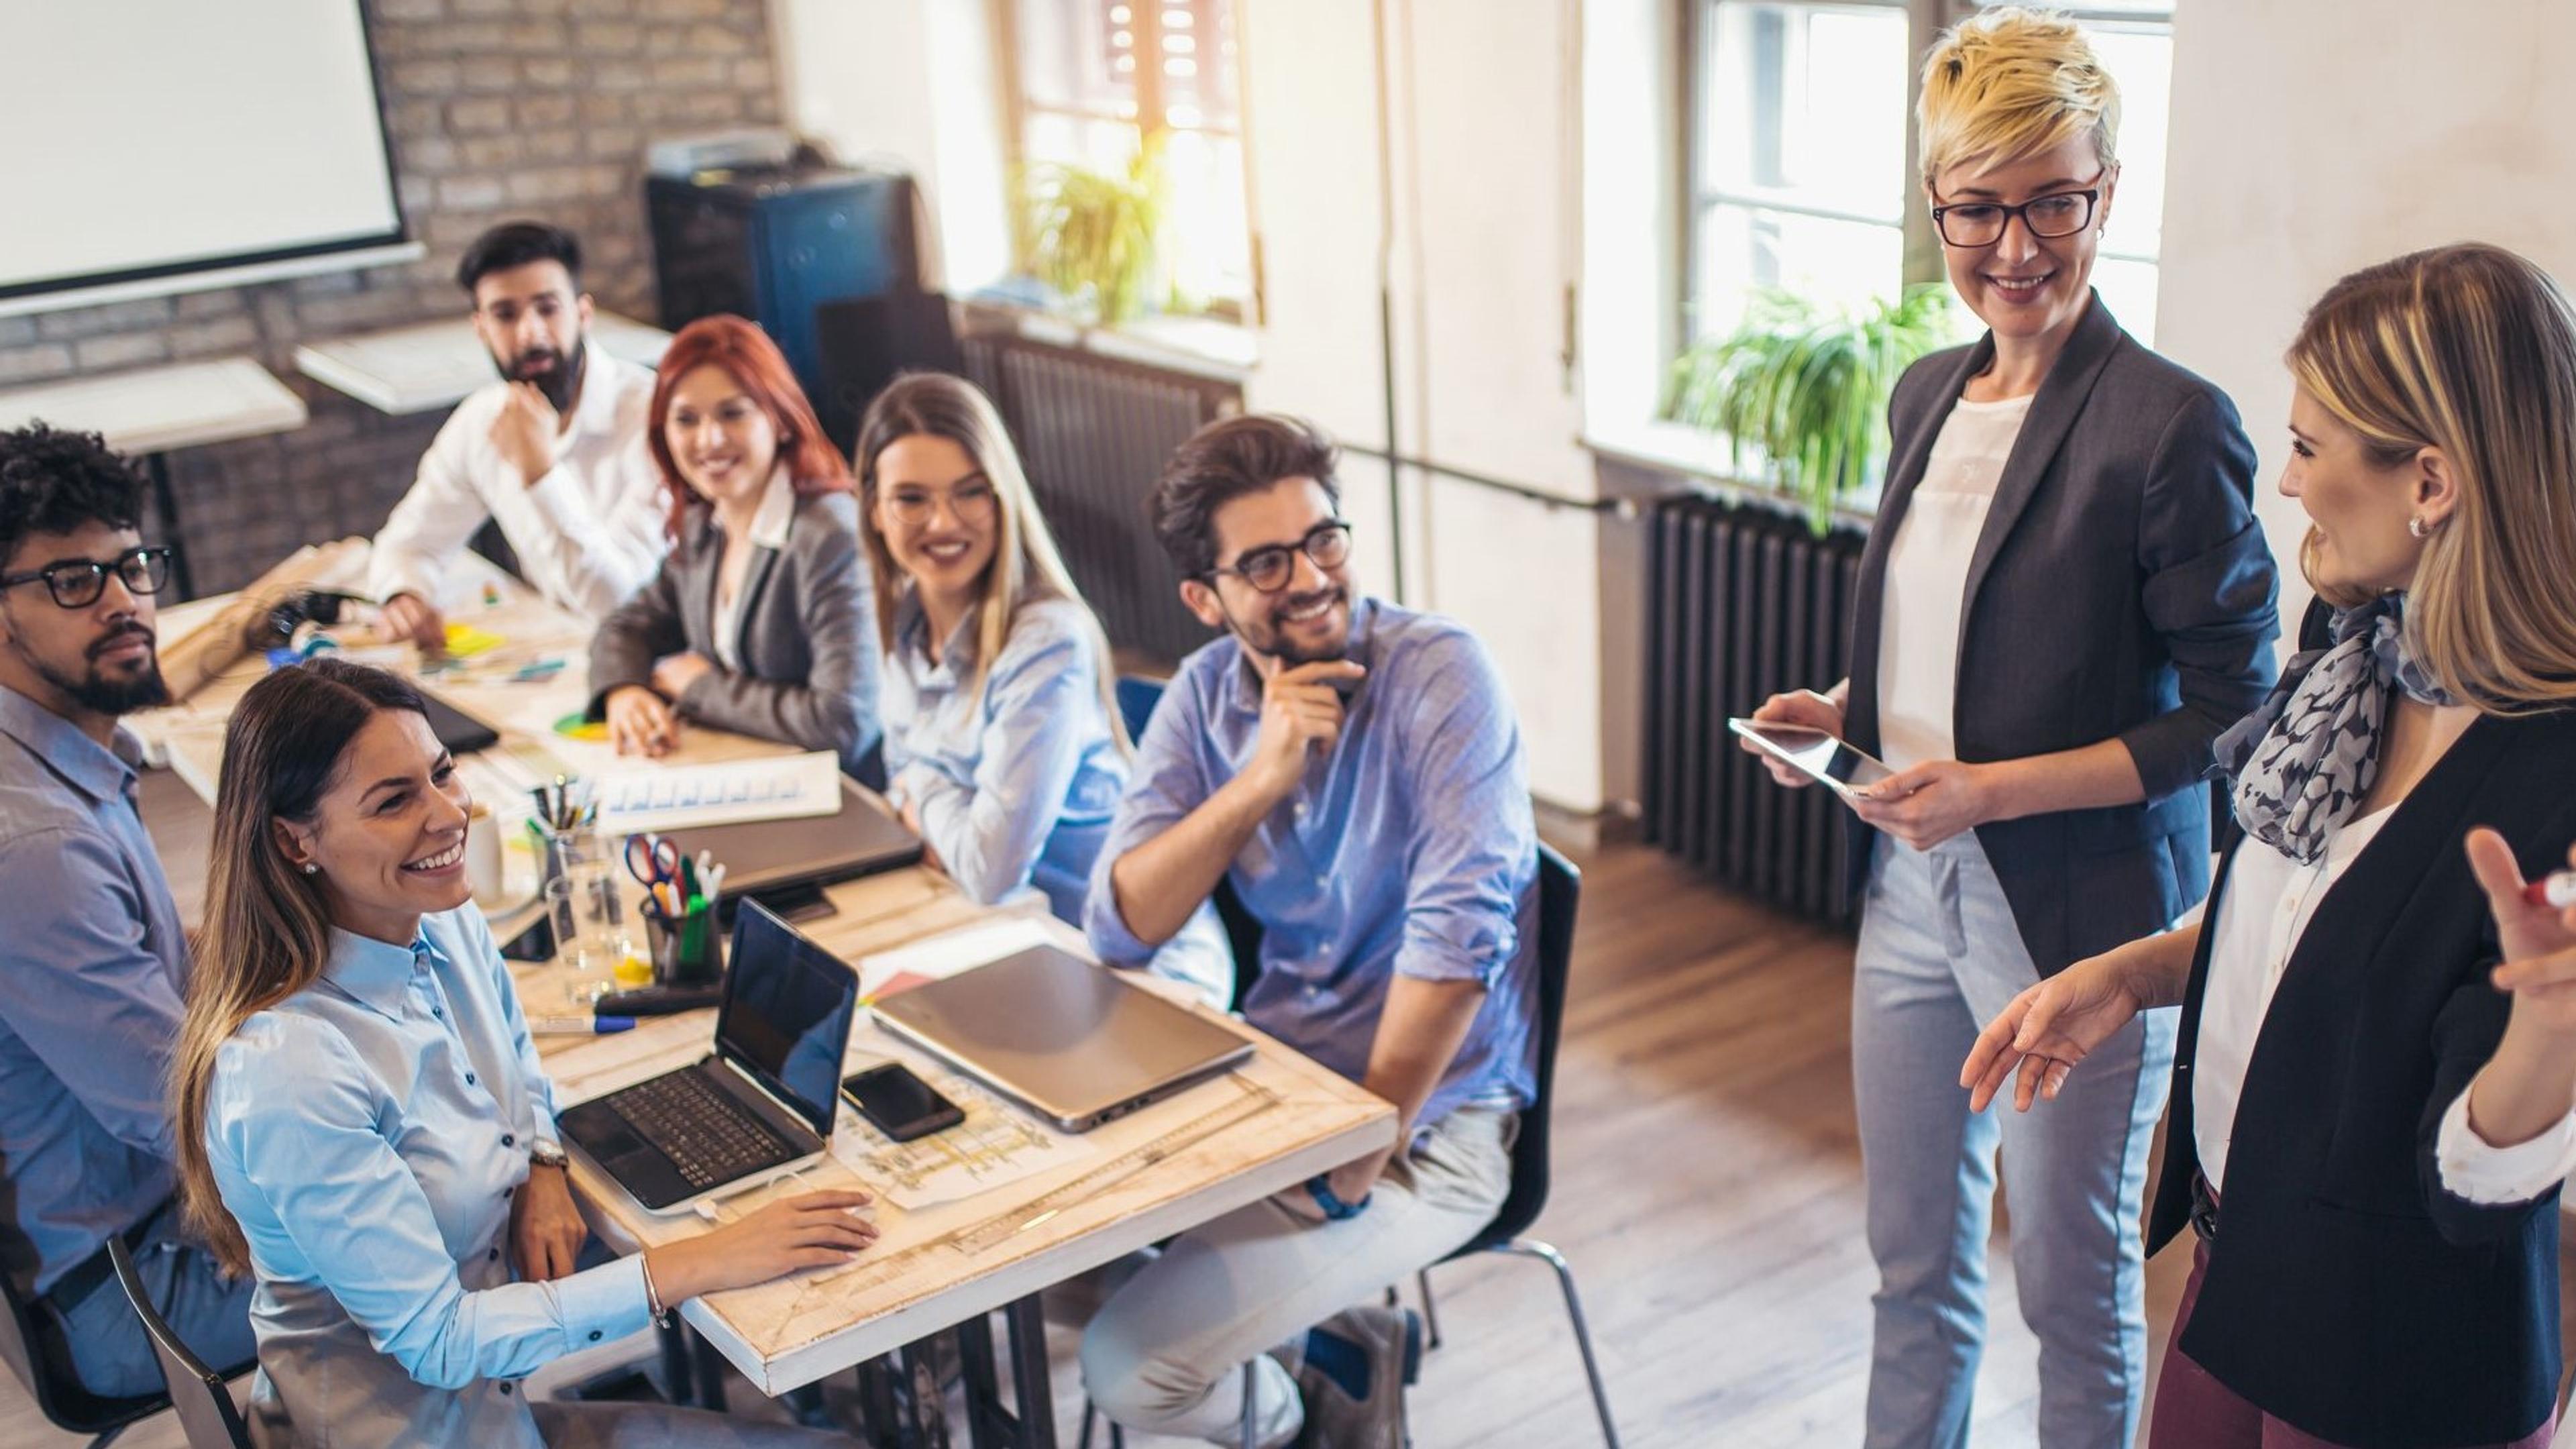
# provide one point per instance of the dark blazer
(2347, 1292)
(807, 640)
(2121, 590)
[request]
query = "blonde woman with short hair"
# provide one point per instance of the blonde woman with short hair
(2371, 1114)
(1004, 746)
(2065, 599)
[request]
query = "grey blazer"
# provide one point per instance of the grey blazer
(807, 641)
(2121, 590)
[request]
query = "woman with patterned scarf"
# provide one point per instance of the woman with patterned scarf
(2369, 1121)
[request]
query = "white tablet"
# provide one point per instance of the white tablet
(1814, 753)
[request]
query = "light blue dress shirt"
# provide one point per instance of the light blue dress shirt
(1408, 851)
(368, 1134)
(93, 971)
(1015, 785)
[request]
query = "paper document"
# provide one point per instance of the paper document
(683, 797)
(998, 1144)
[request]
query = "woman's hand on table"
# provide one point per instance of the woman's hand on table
(640, 722)
(674, 673)
(811, 1230)
(546, 1226)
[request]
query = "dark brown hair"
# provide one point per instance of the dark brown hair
(1224, 461)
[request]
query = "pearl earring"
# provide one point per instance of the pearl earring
(2419, 528)
(310, 867)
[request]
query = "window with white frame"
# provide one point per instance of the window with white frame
(1798, 166)
(1093, 79)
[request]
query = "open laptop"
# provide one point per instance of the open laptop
(761, 857)
(1076, 1043)
(762, 1103)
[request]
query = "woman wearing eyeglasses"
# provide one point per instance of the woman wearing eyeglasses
(2065, 600)
(1004, 746)
(754, 623)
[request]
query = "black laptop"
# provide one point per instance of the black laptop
(761, 1104)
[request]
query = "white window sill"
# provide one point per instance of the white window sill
(1204, 346)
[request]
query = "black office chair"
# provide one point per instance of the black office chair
(34, 1348)
(205, 1406)
(1560, 893)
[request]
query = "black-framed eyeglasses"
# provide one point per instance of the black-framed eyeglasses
(77, 583)
(1982, 223)
(1270, 567)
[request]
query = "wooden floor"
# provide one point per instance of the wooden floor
(1707, 1194)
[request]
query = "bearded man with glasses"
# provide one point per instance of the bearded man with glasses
(1354, 770)
(94, 958)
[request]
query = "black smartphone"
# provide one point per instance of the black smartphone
(899, 1103)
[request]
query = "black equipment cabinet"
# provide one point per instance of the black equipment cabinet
(775, 245)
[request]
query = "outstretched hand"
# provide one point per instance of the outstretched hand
(2046, 1031)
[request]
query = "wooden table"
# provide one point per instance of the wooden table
(1284, 1118)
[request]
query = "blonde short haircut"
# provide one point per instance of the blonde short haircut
(2010, 82)
(2472, 350)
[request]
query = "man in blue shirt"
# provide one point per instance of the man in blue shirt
(1354, 769)
(93, 961)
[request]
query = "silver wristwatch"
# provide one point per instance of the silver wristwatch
(547, 1154)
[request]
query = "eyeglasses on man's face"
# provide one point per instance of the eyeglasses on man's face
(1270, 567)
(77, 583)
(1982, 223)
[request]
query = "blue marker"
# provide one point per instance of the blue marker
(579, 1025)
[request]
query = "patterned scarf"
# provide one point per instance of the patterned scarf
(2305, 759)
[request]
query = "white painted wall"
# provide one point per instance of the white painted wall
(2313, 137)
(1487, 237)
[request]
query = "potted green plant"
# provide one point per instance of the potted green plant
(1806, 385)
(1096, 237)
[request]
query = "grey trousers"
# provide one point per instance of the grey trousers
(1939, 957)
(1165, 1354)
(210, 1314)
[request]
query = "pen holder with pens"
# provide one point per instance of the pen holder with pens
(687, 951)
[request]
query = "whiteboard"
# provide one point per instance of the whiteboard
(149, 138)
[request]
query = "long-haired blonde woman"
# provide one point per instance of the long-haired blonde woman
(2367, 1134)
(2064, 601)
(1003, 742)
(365, 1127)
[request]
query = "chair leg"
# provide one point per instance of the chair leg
(110, 1437)
(1430, 1313)
(1530, 1248)
(1250, 1420)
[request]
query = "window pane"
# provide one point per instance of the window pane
(1080, 141)
(1198, 61)
(1805, 103)
(1208, 229)
(2129, 290)
(2141, 60)
(1078, 55)
(1744, 248)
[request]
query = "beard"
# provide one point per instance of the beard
(1273, 639)
(100, 693)
(556, 374)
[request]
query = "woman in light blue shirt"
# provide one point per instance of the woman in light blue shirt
(1004, 747)
(378, 1137)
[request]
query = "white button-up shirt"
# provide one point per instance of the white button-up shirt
(588, 533)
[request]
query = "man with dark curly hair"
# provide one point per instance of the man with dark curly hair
(94, 960)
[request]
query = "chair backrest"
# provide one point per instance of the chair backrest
(34, 1351)
(205, 1407)
(1137, 696)
(1560, 895)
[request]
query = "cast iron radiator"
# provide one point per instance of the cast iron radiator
(1093, 433)
(1742, 603)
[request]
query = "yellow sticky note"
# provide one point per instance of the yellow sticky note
(464, 640)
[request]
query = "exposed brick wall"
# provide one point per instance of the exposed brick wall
(496, 109)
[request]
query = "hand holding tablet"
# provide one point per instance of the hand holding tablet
(1837, 766)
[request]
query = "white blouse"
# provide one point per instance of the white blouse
(769, 527)
(2265, 909)
(1927, 580)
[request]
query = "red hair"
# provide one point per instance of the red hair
(757, 367)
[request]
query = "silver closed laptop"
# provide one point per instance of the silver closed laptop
(1071, 1041)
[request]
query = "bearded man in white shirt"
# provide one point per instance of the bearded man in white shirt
(553, 451)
